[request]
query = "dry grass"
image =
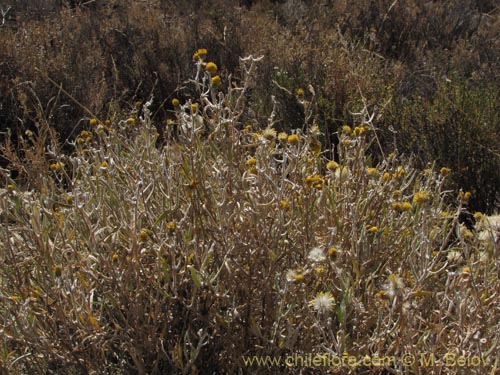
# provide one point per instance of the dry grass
(136, 256)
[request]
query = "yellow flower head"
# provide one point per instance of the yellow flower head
(332, 251)
(445, 171)
(406, 206)
(194, 107)
(216, 81)
(252, 162)
(293, 139)
(373, 229)
(298, 278)
(93, 122)
(332, 165)
(211, 68)
(422, 197)
(401, 206)
(131, 121)
(314, 180)
(346, 129)
(104, 164)
(202, 52)
(56, 166)
(171, 226)
(371, 172)
(300, 93)
(175, 102)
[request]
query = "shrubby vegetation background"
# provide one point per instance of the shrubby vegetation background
(429, 70)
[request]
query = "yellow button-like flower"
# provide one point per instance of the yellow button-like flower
(300, 93)
(171, 226)
(252, 162)
(216, 81)
(200, 54)
(406, 206)
(131, 121)
(211, 68)
(445, 171)
(93, 122)
(371, 172)
(293, 139)
(332, 165)
(422, 197)
(346, 129)
(175, 102)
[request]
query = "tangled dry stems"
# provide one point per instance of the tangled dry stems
(228, 239)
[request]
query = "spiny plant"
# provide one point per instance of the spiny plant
(229, 239)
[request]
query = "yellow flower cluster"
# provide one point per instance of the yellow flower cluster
(200, 54)
(401, 206)
(56, 166)
(315, 181)
(421, 197)
(84, 137)
(360, 130)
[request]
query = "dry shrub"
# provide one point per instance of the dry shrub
(231, 241)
